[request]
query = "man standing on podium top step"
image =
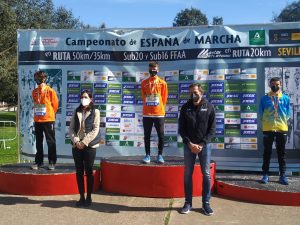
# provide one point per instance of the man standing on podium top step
(154, 92)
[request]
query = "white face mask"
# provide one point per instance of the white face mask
(85, 101)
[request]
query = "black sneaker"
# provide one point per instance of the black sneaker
(207, 210)
(186, 208)
(88, 202)
(80, 203)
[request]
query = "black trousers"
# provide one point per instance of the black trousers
(48, 129)
(84, 162)
(280, 140)
(159, 123)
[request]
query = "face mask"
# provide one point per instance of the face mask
(85, 101)
(195, 97)
(274, 88)
(152, 72)
(39, 81)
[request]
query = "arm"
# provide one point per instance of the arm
(261, 108)
(74, 137)
(211, 128)
(54, 100)
(142, 92)
(289, 111)
(164, 94)
(96, 126)
(182, 127)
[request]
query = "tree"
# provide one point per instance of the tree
(36, 14)
(217, 20)
(8, 49)
(190, 17)
(291, 13)
(102, 26)
(24, 14)
(64, 19)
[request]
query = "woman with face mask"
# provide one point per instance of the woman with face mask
(84, 132)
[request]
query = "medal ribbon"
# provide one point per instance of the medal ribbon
(275, 101)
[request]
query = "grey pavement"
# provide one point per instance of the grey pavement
(116, 209)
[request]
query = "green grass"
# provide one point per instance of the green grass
(10, 153)
(8, 116)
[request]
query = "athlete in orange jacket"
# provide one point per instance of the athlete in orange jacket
(45, 106)
(155, 95)
(154, 92)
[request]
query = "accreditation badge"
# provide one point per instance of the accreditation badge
(40, 109)
(152, 100)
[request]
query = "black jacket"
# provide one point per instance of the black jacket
(197, 124)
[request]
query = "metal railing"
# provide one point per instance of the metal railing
(8, 132)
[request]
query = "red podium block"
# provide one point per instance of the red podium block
(21, 180)
(128, 176)
(246, 187)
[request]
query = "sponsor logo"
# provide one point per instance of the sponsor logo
(285, 36)
(232, 146)
(248, 140)
(232, 108)
(113, 114)
(206, 53)
(100, 85)
(249, 146)
(257, 37)
(46, 41)
(249, 115)
(128, 115)
(217, 146)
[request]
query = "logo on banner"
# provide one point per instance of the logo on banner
(46, 41)
(203, 54)
(257, 37)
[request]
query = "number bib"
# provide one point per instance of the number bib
(39, 109)
(152, 100)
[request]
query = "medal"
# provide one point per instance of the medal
(275, 114)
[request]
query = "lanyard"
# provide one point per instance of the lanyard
(275, 101)
(39, 94)
(152, 85)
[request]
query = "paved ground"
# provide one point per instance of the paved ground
(115, 209)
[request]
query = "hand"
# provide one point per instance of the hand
(80, 145)
(194, 148)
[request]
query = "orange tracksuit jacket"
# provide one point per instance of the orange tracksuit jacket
(157, 88)
(48, 98)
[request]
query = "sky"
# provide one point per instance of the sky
(161, 13)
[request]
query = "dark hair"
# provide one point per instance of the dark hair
(91, 105)
(153, 64)
(275, 79)
(40, 74)
(197, 85)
